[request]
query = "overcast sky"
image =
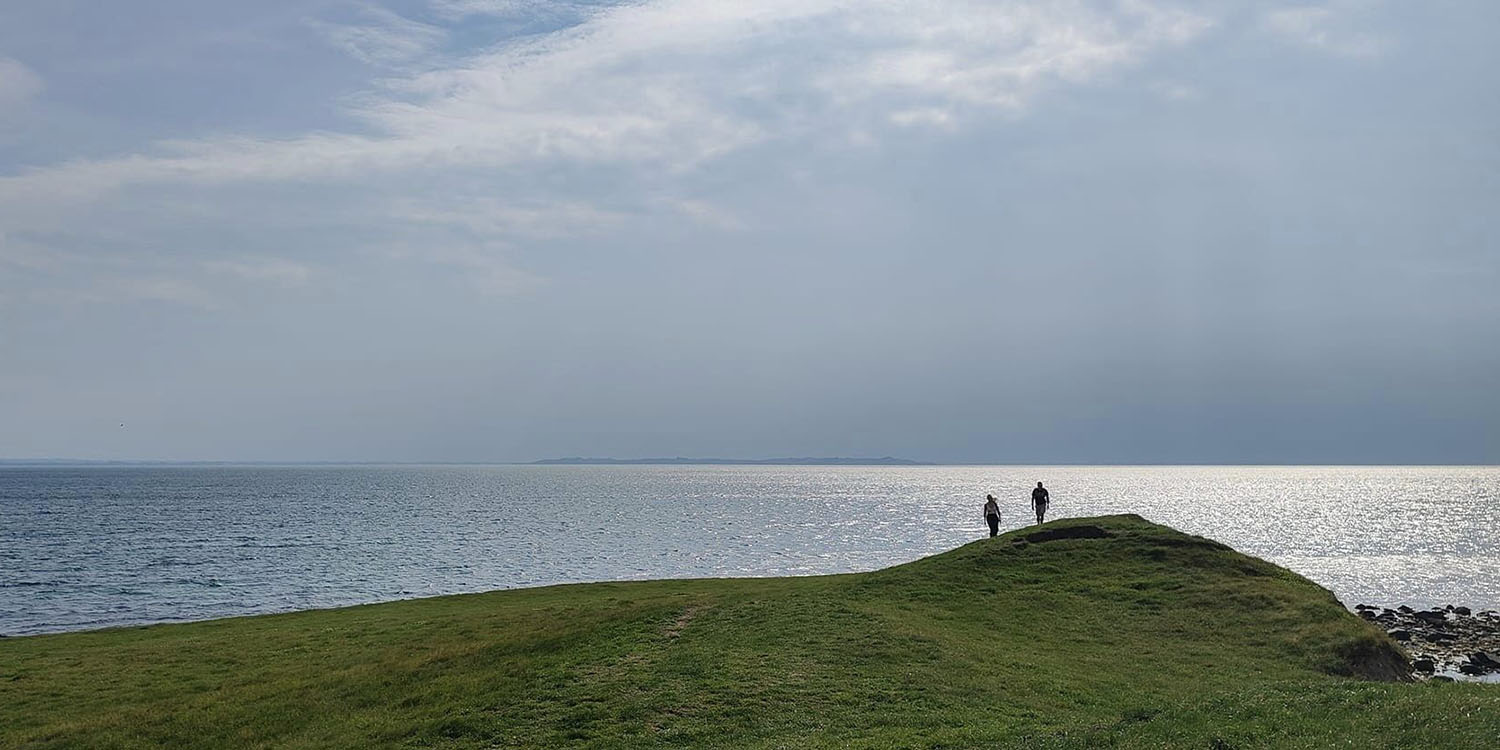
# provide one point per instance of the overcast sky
(472, 230)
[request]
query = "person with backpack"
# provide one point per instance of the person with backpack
(992, 514)
(1039, 500)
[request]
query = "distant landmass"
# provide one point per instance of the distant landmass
(798, 461)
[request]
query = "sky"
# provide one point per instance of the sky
(1143, 231)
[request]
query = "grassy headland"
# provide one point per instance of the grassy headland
(1130, 635)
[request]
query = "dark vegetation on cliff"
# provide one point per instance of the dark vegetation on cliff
(1100, 632)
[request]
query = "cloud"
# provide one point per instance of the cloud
(166, 289)
(1172, 90)
(18, 83)
(384, 38)
(672, 83)
(484, 265)
(279, 271)
(490, 216)
(16, 253)
(1322, 28)
(107, 290)
(1000, 56)
(703, 212)
(516, 9)
(645, 93)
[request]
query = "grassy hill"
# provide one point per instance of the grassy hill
(1101, 632)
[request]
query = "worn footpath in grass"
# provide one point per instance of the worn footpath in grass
(1116, 633)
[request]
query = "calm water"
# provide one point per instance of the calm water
(92, 547)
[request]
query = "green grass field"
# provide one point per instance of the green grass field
(1144, 638)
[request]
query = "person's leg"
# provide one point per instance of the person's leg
(994, 525)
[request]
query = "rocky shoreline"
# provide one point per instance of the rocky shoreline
(1444, 643)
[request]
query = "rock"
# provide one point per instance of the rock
(1434, 617)
(1363, 606)
(1365, 613)
(1484, 660)
(1469, 668)
(1441, 678)
(1437, 637)
(1405, 609)
(1425, 666)
(1448, 608)
(1461, 611)
(1400, 635)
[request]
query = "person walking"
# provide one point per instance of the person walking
(992, 514)
(1039, 499)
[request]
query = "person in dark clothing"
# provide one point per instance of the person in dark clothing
(992, 514)
(1039, 500)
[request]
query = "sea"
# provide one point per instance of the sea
(102, 546)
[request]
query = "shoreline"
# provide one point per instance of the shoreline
(1452, 642)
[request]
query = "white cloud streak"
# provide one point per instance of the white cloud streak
(384, 39)
(279, 271)
(1322, 28)
(514, 9)
(18, 83)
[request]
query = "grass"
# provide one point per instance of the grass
(1145, 638)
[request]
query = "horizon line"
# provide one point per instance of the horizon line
(659, 461)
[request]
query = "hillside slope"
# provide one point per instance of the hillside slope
(1081, 633)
